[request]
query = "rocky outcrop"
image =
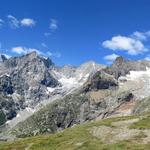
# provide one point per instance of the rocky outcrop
(8, 108)
(100, 80)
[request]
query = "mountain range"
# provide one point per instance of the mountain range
(37, 97)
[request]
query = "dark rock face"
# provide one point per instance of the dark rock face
(48, 80)
(6, 85)
(100, 80)
(3, 58)
(8, 107)
(2, 118)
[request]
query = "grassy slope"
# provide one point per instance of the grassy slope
(142, 106)
(142, 124)
(79, 138)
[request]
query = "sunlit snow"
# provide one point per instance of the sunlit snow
(138, 82)
(134, 75)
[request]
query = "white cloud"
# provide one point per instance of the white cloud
(27, 22)
(13, 22)
(19, 50)
(111, 57)
(53, 24)
(123, 43)
(143, 36)
(24, 50)
(139, 35)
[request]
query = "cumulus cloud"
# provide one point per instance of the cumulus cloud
(24, 50)
(27, 22)
(53, 24)
(131, 45)
(13, 22)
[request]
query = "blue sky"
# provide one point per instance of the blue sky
(75, 31)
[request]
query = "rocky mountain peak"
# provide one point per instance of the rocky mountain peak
(31, 55)
(31, 59)
(3, 58)
(119, 61)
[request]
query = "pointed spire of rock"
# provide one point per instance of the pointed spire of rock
(3, 58)
(119, 60)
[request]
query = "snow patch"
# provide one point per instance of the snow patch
(18, 115)
(50, 90)
(134, 75)
(6, 74)
(68, 82)
(28, 109)
(138, 82)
